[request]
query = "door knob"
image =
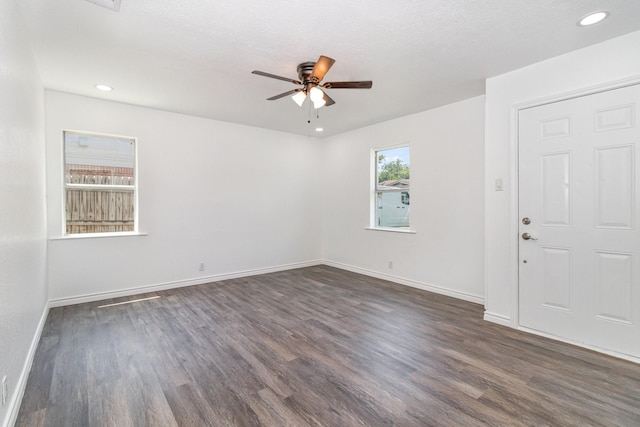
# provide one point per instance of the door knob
(527, 236)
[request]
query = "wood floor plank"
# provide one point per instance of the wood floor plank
(281, 414)
(316, 346)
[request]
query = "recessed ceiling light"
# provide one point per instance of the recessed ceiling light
(104, 88)
(319, 129)
(593, 18)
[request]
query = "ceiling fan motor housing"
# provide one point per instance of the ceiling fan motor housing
(304, 72)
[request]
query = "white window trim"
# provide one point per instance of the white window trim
(100, 235)
(405, 230)
(373, 189)
(101, 187)
(135, 188)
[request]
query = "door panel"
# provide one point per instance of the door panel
(556, 188)
(556, 277)
(578, 183)
(615, 193)
(614, 281)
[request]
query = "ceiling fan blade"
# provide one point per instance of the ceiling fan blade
(273, 76)
(327, 99)
(321, 67)
(282, 95)
(349, 85)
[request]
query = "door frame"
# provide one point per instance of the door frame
(514, 214)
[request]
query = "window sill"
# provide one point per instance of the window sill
(392, 230)
(98, 235)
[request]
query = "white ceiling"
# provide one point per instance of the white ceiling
(195, 57)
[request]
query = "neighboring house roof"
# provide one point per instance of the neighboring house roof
(401, 183)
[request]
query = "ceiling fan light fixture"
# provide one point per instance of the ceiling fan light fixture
(319, 104)
(317, 96)
(299, 98)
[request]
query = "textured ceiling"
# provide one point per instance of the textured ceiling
(195, 57)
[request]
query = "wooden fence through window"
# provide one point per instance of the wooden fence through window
(99, 210)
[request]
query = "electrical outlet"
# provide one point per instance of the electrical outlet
(201, 267)
(4, 390)
(390, 265)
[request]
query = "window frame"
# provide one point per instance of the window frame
(133, 188)
(374, 190)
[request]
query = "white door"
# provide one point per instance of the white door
(579, 187)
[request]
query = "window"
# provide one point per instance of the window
(391, 190)
(100, 183)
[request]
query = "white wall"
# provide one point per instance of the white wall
(603, 63)
(445, 253)
(23, 293)
(237, 198)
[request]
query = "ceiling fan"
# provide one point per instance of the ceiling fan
(310, 75)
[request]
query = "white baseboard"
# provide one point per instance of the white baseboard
(407, 282)
(21, 385)
(498, 318)
(506, 321)
(59, 302)
(618, 355)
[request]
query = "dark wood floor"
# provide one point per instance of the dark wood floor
(314, 346)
